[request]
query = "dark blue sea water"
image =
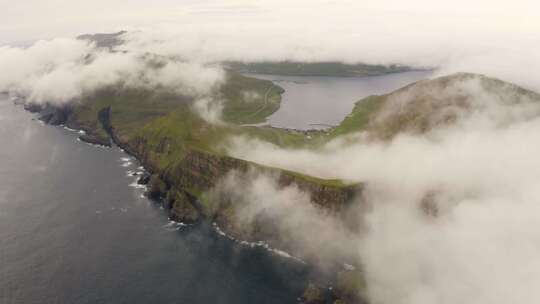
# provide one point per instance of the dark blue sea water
(72, 230)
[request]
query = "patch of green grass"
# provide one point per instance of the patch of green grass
(171, 136)
(333, 183)
(167, 127)
(351, 284)
(359, 118)
(248, 100)
(278, 137)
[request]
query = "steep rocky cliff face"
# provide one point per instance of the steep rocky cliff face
(182, 184)
(176, 147)
(199, 171)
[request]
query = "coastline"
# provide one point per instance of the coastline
(144, 170)
(180, 220)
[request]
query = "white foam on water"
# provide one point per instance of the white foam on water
(174, 225)
(132, 173)
(286, 255)
(93, 145)
(69, 129)
(220, 232)
(261, 244)
(348, 267)
(135, 185)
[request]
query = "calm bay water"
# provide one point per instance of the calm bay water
(316, 102)
(72, 230)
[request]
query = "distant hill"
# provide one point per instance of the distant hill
(428, 104)
(104, 40)
(296, 68)
(287, 68)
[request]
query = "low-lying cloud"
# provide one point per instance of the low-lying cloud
(209, 109)
(482, 175)
(482, 172)
(63, 70)
(497, 38)
(286, 213)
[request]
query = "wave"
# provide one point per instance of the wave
(94, 145)
(260, 244)
(174, 225)
(136, 185)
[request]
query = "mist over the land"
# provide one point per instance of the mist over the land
(453, 211)
(493, 38)
(482, 172)
(62, 70)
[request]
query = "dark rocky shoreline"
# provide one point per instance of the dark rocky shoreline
(202, 170)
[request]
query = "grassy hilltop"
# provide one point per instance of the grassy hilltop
(427, 104)
(183, 151)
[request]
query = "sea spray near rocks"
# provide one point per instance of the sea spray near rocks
(260, 244)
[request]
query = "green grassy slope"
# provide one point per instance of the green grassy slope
(359, 117)
(427, 104)
(249, 100)
(169, 128)
(246, 101)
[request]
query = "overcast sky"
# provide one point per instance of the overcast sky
(34, 19)
(496, 38)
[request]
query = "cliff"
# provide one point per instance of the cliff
(181, 150)
(432, 103)
(180, 183)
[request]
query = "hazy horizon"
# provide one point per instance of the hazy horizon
(425, 192)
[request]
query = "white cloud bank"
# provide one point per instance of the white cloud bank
(497, 38)
(482, 173)
(62, 70)
(286, 212)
